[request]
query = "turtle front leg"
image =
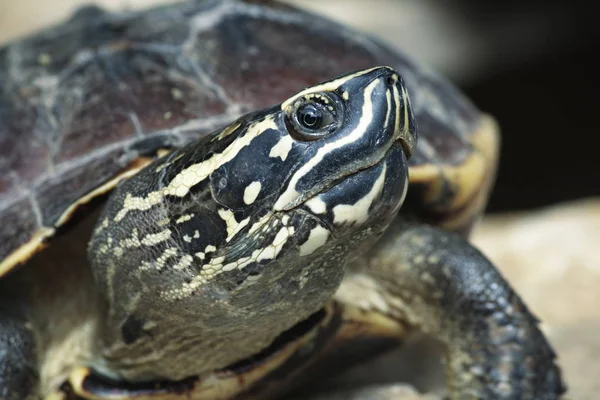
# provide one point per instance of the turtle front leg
(439, 284)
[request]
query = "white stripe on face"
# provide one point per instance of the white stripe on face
(359, 211)
(186, 179)
(291, 194)
(403, 100)
(397, 100)
(326, 87)
(388, 114)
(196, 173)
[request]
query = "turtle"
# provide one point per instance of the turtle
(227, 199)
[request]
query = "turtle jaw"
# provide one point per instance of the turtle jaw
(370, 197)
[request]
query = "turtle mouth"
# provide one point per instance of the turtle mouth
(320, 190)
(328, 190)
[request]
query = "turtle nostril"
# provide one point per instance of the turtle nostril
(391, 80)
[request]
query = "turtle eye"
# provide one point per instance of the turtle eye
(310, 116)
(314, 116)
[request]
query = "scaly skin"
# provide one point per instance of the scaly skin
(439, 284)
(17, 348)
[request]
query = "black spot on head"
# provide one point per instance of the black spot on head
(254, 268)
(132, 329)
(240, 280)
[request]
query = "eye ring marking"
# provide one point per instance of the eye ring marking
(314, 116)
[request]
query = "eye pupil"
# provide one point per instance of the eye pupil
(314, 116)
(310, 116)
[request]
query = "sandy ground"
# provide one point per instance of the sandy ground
(550, 256)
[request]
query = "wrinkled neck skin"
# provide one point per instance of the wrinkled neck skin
(207, 255)
(222, 323)
(223, 326)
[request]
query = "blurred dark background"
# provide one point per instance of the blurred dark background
(546, 99)
(533, 65)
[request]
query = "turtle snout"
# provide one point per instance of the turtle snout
(391, 78)
(405, 129)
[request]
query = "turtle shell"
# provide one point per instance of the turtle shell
(89, 102)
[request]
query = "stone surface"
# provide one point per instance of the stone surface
(379, 392)
(552, 258)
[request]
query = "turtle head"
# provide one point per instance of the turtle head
(324, 168)
(355, 132)
(227, 242)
